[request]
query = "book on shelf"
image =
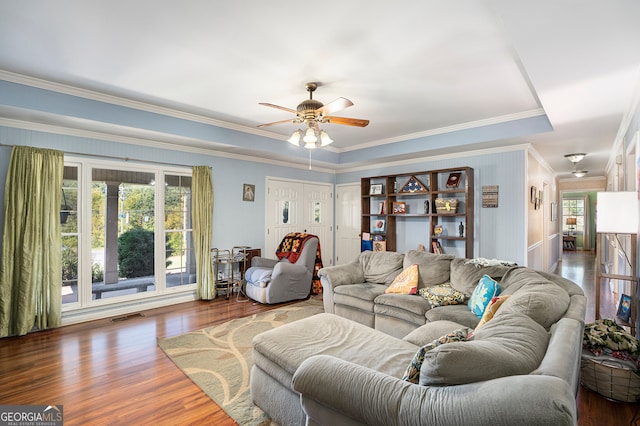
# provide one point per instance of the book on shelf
(437, 247)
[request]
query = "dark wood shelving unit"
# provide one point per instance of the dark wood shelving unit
(434, 183)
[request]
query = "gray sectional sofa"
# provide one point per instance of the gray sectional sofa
(345, 366)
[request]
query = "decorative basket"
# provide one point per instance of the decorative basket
(610, 380)
(446, 206)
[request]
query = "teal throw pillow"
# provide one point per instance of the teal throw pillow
(412, 373)
(487, 289)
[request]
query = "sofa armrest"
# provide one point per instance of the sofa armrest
(263, 262)
(334, 276)
(333, 389)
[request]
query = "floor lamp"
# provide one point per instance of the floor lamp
(617, 214)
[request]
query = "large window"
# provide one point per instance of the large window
(137, 234)
(573, 216)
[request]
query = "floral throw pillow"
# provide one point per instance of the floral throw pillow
(406, 282)
(486, 290)
(442, 295)
(412, 373)
(491, 309)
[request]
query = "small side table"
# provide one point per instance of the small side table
(569, 242)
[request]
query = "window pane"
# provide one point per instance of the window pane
(179, 254)
(122, 232)
(69, 228)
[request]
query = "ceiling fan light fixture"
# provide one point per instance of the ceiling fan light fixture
(579, 173)
(576, 157)
(310, 136)
(295, 138)
(325, 139)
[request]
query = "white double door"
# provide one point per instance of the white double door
(299, 206)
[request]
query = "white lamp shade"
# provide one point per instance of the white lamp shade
(617, 212)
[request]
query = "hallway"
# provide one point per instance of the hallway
(593, 409)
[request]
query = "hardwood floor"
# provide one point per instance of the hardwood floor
(113, 373)
(593, 409)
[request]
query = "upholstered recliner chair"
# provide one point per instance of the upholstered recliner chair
(276, 281)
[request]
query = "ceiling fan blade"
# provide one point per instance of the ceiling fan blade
(275, 122)
(335, 106)
(346, 121)
(278, 107)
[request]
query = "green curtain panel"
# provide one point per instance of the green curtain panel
(202, 210)
(31, 276)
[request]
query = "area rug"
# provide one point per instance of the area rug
(218, 359)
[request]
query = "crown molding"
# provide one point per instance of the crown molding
(439, 157)
(129, 103)
(91, 134)
(449, 129)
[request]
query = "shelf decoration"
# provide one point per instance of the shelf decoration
(376, 189)
(446, 205)
(399, 207)
(624, 308)
(379, 225)
(454, 180)
(413, 185)
(379, 246)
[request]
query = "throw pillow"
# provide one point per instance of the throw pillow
(491, 309)
(412, 373)
(486, 290)
(442, 295)
(406, 282)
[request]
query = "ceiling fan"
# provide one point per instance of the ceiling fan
(312, 112)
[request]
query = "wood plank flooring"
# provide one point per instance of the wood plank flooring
(113, 373)
(593, 409)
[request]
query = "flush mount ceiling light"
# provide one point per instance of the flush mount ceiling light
(575, 158)
(312, 113)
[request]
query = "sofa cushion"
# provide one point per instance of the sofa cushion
(431, 331)
(487, 289)
(360, 296)
(406, 302)
(412, 374)
(465, 275)
(434, 268)
(534, 296)
(491, 309)
(406, 282)
(442, 295)
(381, 267)
(510, 344)
(456, 313)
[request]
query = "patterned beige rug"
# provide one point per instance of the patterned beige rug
(218, 359)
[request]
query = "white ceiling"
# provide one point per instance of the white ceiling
(412, 68)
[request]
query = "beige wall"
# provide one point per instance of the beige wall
(542, 231)
(583, 184)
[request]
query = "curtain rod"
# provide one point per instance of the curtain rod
(112, 157)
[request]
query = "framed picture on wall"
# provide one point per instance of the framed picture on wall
(533, 194)
(248, 192)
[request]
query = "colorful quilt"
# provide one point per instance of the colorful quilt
(290, 248)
